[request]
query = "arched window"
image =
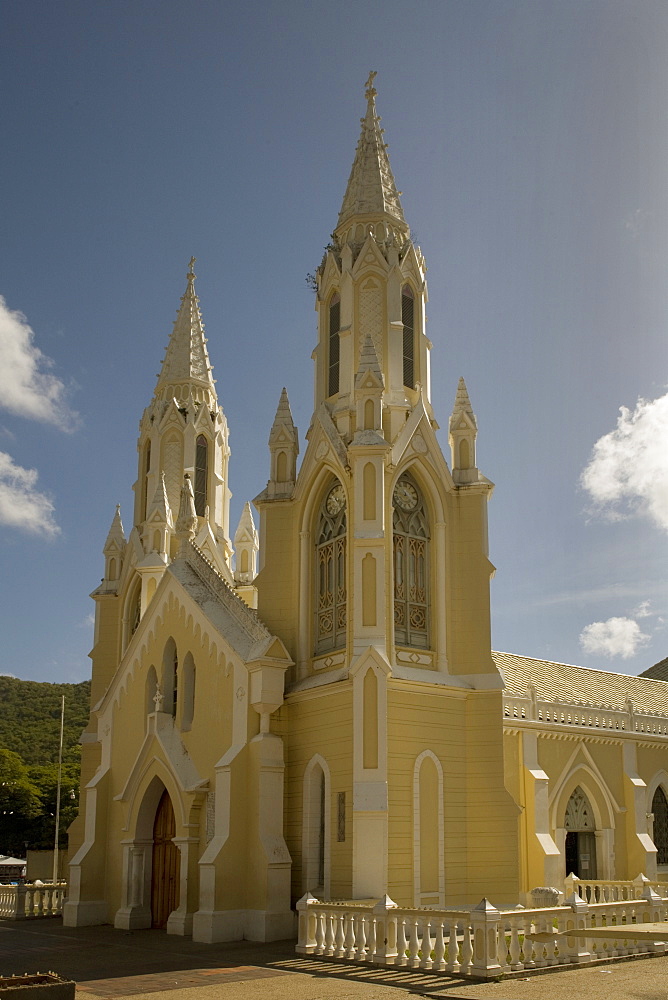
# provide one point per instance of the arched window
(660, 811)
(151, 691)
(408, 319)
(201, 474)
(170, 676)
(411, 565)
(315, 827)
(188, 686)
(334, 325)
(331, 591)
(135, 610)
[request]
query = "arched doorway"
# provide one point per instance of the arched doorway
(165, 868)
(580, 847)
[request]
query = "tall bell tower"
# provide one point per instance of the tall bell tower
(371, 283)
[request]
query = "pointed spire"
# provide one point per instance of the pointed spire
(246, 523)
(186, 523)
(369, 363)
(463, 430)
(371, 188)
(246, 545)
(160, 502)
(283, 427)
(462, 405)
(116, 535)
(186, 359)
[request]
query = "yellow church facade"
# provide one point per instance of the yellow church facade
(313, 705)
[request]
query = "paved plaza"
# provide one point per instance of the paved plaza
(138, 964)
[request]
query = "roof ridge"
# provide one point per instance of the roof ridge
(218, 585)
(576, 666)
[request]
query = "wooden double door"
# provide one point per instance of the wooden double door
(165, 870)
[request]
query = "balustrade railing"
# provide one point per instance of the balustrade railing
(610, 891)
(481, 942)
(20, 902)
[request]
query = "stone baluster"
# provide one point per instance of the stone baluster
(371, 937)
(453, 948)
(329, 934)
(414, 946)
(361, 951)
(425, 962)
(438, 964)
(320, 933)
(340, 939)
(402, 942)
(467, 947)
(551, 943)
(349, 944)
(514, 947)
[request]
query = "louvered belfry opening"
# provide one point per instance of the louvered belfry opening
(201, 474)
(408, 320)
(334, 350)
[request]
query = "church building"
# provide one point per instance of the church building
(313, 705)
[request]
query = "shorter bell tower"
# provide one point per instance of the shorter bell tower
(183, 431)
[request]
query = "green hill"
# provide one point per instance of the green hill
(30, 718)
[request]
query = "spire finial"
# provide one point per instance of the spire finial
(371, 189)
(191, 265)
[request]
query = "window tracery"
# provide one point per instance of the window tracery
(331, 589)
(411, 565)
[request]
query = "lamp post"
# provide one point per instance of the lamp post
(60, 774)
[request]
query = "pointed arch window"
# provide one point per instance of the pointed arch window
(660, 812)
(408, 320)
(331, 589)
(201, 474)
(410, 526)
(334, 326)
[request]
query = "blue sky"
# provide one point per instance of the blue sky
(530, 141)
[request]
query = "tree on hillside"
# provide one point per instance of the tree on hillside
(20, 802)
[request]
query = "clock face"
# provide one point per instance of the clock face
(405, 495)
(336, 499)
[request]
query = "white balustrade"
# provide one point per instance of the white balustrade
(19, 902)
(610, 891)
(482, 942)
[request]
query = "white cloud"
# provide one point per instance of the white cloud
(27, 387)
(628, 470)
(614, 637)
(22, 506)
(643, 610)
